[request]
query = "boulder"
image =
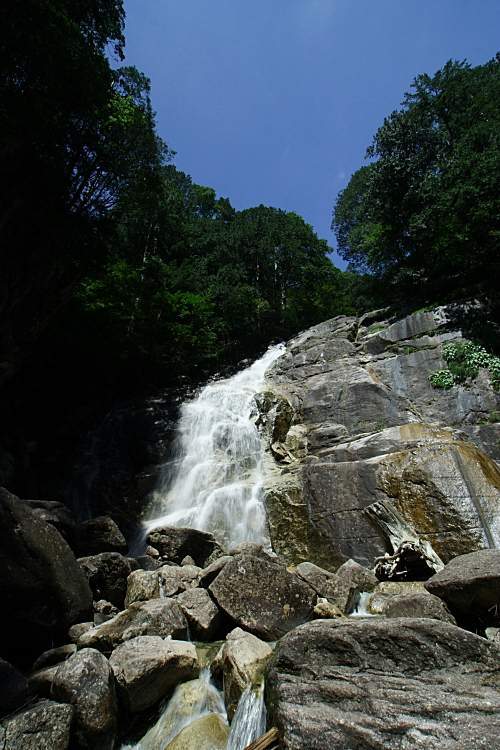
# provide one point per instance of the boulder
(41, 585)
(162, 617)
(321, 580)
(385, 683)
(351, 579)
(76, 631)
(419, 604)
(107, 575)
(42, 680)
(104, 611)
(54, 656)
(147, 667)
(14, 689)
(174, 544)
(262, 596)
(98, 535)
(210, 732)
(203, 615)
(166, 581)
(86, 682)
(241, 661)
(211, 572)
(44, 726)
(470, 586)
(324, 609)
(58, 515)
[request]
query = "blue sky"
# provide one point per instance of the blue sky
(275, 101)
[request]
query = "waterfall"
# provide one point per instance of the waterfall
(249, 722)
(361, 607)
(216, 482)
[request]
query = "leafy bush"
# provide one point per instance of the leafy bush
(464, 360)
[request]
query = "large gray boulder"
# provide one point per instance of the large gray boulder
(168, 580)
(385, 683)
(86, 682)
(98, 535)
(174, 544)
(470, 586)
(107, 575)
(351, 579)
(147, 667)
(42, 587)
(204, 617)
(262, 596)
(418, 604)
(44, 726)
(162, 617)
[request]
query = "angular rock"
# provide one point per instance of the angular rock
(420, 604)
(326, 610)
(211, 572)
(262, 596)
(76, 631)
(322, 581)
(378, 599)
(203, 615)
(54, 656)
(161, 617)
(107, 575)
(147, 667)
(210, 732)
(98, 535)
(44, 726)
(14, 689)
(86, 682)
(58, 515)
(104, 611)
(42, 680)
(351, 579)
(166, 581)
(470, 586)
(175, 543)
(241, 661)
(142, 585)
(385, 683)
(41, 585)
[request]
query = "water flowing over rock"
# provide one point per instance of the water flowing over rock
(385, 683)
(216, 482)
(249, 721)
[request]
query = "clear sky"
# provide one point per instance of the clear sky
(275, 101)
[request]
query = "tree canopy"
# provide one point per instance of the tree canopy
(424, 214)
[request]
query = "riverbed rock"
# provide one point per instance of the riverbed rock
(385, 683)
(262, 596)
(76, 631)
(351, 579)
(98, 535)
(107, 575)
(58, 515)
(174, 544)
(321, 580)
(147, 667)
(241, 661)
(104, 611)
(211, 572)
(42, 587)
(54, 656)
(14, 689)
(210, 732)
(161, 617)
(374, 429)
(86, 682)
(470, 586)
(44, 726)
(203, 616)
(168, 580)
(323, 609)
(419, 604)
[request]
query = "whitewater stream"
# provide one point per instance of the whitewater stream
(214, 484)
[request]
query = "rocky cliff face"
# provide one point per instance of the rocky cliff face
(350, 418)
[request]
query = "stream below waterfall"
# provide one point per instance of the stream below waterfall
(214, 484)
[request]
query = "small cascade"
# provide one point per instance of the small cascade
(249, 722)
(361, 606)
(216, 482)
(190, 702)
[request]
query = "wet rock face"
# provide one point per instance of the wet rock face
(261, 596)
(372, 428)
(388, 683)
(470, 586)
(45, 726)
(41, 585)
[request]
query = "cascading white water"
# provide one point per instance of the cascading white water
(249, 721)
(191, 701)
(361, 606)
(216, 484)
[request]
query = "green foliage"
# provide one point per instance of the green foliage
(425, 213)
(464, 360)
